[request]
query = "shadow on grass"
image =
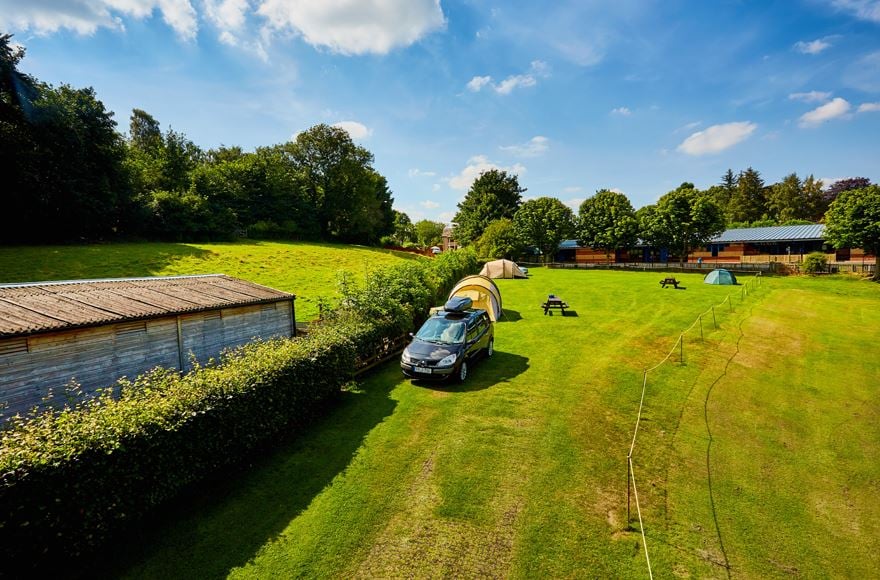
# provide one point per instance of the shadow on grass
(570, 313)
(483, 373)
(223, 523)
(510, 316)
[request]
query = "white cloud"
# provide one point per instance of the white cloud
(869, 108)
(435, 187)
(617, 190)
(574, 203)
(506, 86)
(355, 129)
(831, 110)
(429, 204)
(864, 9)
(717, 138)
(687, 127)
(477, 165)
(416, 172)
(446, 216)
(810, 97)
(477, 83)
(227, 15)
(534, 147)
(355, 26)
(864, 74)
(537, 69)
(621, 111)
(813, 46)
(86, 16)
(572, 189)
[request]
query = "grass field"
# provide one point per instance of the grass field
(305, 269)
(756, 458)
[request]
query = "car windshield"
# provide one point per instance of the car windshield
(442, 331)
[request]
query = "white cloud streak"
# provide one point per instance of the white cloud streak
(476, 84)
(833, 109)
(86, 16)
(717, 138)
(869, 108)
(621, 112)
(477, 165)
(863, 9)
(813, 46)
(355, 26)
(534, 147)
(416, 172)
(537, 69)
(810, 97)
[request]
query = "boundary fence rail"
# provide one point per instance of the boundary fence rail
(677, 348)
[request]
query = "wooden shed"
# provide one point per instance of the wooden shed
(96, 331)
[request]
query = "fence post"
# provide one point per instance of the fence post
(714, 320)
(681, 345)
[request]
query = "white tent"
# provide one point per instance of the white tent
(483, 292)
(502, 269)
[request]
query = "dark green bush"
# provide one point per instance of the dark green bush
(815, 263)
(71, 477)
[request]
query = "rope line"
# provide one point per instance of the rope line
(641, 525)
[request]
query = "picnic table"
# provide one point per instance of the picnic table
(669, 282)
(554, 302)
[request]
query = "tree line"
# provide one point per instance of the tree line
(495, 220)
(71, 175)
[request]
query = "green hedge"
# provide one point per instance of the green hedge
(70, 478)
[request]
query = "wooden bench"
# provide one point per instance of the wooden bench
(669, 282)
(554, 302)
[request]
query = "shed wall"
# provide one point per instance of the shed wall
(97, 357)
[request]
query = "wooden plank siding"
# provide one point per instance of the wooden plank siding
(97, 357)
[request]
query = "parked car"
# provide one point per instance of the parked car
(435, 250)
(524, 270)
(448, 342)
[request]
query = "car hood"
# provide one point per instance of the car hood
(430, 351)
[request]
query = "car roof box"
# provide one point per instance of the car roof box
(458, 304)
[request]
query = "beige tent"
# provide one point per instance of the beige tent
(501, 269)
(483, 292)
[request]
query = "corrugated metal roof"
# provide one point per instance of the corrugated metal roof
(773, 234)
(37, 307)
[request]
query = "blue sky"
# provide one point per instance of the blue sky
(636, 96)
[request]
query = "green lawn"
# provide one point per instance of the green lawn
(305, 269)
(521, 471)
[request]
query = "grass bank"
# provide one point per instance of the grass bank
(305, 269)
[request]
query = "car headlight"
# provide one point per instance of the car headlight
(447, 361)
(406, 358)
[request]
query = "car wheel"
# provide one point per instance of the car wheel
(462, 372)
(490, 350)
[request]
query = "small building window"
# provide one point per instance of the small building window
(14, 346)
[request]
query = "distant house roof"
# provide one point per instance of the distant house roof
(51, 306)
(773, 234)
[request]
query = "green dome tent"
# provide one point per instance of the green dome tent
(720, 276)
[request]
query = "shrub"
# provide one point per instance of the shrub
(71, 477)
(815, 263)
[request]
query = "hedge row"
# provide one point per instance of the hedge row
(70, 478)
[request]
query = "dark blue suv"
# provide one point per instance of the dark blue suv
(448, 341)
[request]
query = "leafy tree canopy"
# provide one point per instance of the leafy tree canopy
(607, 221)
(681, 220)
(544, 223)
(429, 233)
(853, 220)
(500, 239)
(495, 194)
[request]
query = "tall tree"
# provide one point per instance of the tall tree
(544, 223)
(786, 200)
(681, 220)
(853, 220)
(607, 221)
(143, 131)
(747, 203)
(495, 194)
(404, 232)
(841, 185)
(815, 202)
(500, 239)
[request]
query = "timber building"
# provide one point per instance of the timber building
(97, 331)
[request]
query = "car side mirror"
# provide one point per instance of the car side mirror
(411, 335)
